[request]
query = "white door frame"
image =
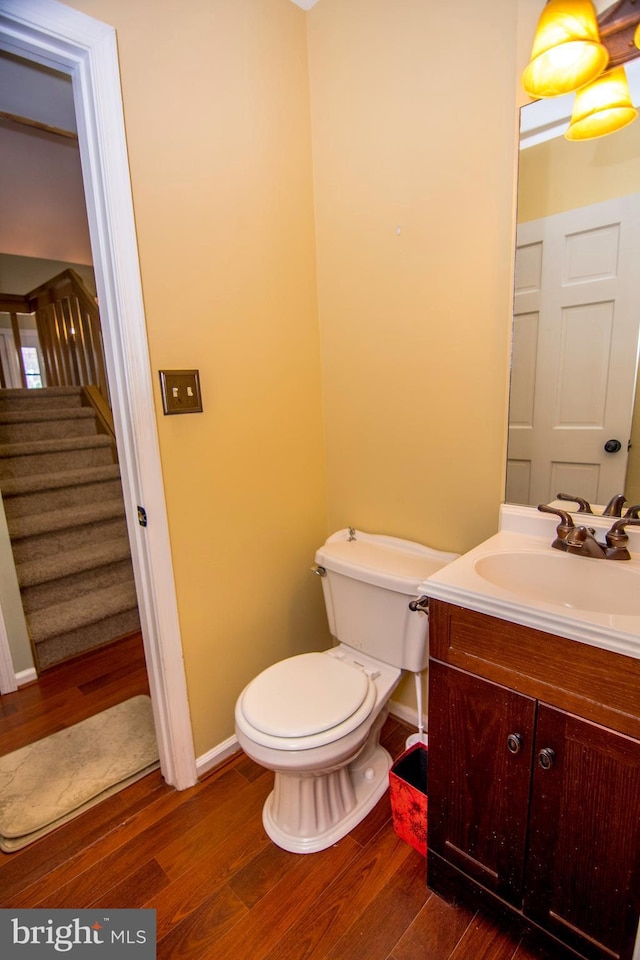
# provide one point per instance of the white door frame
(55, 35)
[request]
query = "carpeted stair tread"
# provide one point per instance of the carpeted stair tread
(16, 486)
(16, 398)
(45, 413)
(28, 393)
(98, 634)
(65, 514)
(56, 566)
(66, 444)
(63, 617)
(45, 595)
(46, 424)
(39, 523)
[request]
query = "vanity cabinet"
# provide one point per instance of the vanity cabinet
(534, 780)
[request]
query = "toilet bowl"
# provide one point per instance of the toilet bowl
(315, 719)
(330, 770)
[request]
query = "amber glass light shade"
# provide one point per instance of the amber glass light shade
(636, 36)
(602, 107)
(567, 52)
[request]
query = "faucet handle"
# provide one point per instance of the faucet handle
(563, 528)
(583, 505)
(617, 539)
(614, 507)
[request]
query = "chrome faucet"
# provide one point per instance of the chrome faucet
(581, 541)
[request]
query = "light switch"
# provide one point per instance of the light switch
(181, 391)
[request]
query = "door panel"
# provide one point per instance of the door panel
(583, 868)
(574, 352)
(479, 790)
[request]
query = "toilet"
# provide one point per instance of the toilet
(315, 719)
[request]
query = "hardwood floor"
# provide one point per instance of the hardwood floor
(201, 859)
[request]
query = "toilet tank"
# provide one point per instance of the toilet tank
(368, 583)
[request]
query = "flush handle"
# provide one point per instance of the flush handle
(514, 743)
(421, 605)
(546, 758)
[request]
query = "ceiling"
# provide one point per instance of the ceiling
(28, 89)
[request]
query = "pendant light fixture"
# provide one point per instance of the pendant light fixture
(602, 107)
(567, 52)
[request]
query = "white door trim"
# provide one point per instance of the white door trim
(50, 33)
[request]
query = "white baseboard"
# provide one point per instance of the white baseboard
(407, 714)
(26, 676)
(216, 756)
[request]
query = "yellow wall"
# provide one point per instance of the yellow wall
(414, 140)
(217, 116)
(411, 128)
(414, 212)
(557, 175)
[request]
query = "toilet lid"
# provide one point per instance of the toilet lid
(306, 695)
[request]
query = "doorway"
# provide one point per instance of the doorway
(49, 33)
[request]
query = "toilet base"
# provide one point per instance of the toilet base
(306, 813)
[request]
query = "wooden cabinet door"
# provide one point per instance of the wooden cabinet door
(583, 870)
(478, 788)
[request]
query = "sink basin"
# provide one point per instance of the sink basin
(600, 586)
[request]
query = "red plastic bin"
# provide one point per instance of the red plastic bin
(408, 794)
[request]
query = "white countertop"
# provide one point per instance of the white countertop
(525, 530)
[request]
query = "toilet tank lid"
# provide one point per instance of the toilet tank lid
(384, 561)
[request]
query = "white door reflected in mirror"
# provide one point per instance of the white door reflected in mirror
(574, 352)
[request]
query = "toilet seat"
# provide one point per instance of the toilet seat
(305, 701)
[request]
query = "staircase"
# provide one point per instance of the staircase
(63, 502)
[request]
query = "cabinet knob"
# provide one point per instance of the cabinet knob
(514, 743)
(546, 758)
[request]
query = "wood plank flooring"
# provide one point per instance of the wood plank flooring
(201, 859)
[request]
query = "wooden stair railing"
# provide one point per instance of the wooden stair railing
(68, 324)
(70, 337)
(104, 414)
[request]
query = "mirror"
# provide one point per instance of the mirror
(576, 311)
